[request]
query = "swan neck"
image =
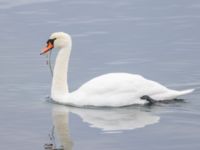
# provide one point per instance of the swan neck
(60, 82)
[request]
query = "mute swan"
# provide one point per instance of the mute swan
(113, 89)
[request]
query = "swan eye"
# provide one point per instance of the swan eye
(51, 41)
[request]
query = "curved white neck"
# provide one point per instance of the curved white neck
(59, 83)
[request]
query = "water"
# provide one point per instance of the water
(157, 39)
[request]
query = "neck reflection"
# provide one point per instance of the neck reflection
(106, 119)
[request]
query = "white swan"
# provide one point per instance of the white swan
(113, 89)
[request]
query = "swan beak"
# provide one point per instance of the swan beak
(47, 48)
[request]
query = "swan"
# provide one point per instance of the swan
(112, 89)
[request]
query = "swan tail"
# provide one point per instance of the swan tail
(181, 93)
(184, 92)
(173, 94)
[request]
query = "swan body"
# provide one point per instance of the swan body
(113, 89)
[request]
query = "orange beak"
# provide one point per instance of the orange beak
(47, 48)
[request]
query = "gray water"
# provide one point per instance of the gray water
(154, 38)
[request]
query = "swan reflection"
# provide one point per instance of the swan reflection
(106, 119)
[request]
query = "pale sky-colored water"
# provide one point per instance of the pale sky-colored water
(157, 39)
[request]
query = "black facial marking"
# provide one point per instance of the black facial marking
(51, 41)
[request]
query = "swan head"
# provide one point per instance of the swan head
(57, 40)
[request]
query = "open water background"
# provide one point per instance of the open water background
(154, 38)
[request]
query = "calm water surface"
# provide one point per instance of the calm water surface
(157, 39)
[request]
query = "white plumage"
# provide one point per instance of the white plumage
(113, 89)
